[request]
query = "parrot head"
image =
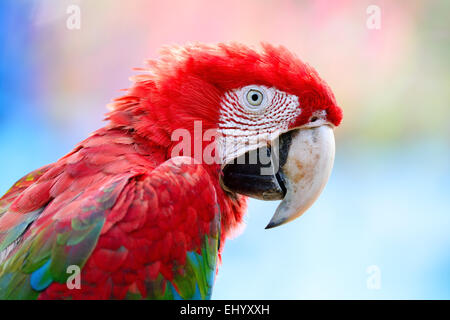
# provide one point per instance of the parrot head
(271, 114)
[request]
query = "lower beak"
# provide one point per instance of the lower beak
(299, 167)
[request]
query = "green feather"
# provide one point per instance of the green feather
(46, 253)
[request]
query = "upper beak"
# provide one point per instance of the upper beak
(299, 167)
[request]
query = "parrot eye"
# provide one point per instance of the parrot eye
(254, 97)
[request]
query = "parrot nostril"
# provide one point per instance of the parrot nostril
(314, 119)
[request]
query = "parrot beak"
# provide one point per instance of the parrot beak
(299, 169)
(306, 171)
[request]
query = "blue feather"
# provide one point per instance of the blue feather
(41, 278)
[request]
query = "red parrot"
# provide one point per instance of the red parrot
(133, 212)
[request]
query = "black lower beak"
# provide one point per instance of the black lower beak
(258, 173)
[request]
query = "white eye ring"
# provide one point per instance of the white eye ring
(255, 98)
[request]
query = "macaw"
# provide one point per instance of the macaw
(128, 214)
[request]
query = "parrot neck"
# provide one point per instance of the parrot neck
(232, 206)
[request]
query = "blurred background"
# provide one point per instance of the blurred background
(381, 228)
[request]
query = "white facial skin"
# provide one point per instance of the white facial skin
(254, 116)
(247, 125)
